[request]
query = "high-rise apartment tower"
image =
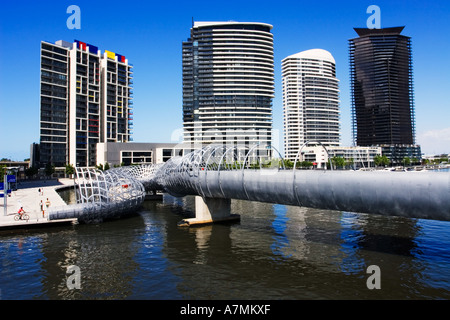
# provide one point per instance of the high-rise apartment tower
(382, 87)
(228, 84)
(86, 98)
(310, 100)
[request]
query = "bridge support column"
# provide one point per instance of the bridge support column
(210, 210)
(153, 195)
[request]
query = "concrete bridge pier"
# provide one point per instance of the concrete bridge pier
(153, 195)
(210, 210)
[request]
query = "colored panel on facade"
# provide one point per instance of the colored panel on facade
(120, 58)
(82, 46)
(93, 49)
(110, 54)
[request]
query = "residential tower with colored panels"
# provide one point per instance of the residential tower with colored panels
(85, 99)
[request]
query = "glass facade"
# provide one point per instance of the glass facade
(86, 98)
(228, 83)
(54, 105)
(310, 100)
(382, 87)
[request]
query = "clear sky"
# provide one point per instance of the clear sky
(150, 33)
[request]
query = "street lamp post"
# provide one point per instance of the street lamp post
(5, 195)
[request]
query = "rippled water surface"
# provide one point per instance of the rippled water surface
(274, 252)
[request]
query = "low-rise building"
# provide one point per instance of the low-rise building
(116, 153)
(357, 157)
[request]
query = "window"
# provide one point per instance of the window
(136, 157)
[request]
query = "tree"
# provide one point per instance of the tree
(288, 164)
(377, 160)
(406, 161)
(304, 164)
(381, 160)
(70, 169)
(2, 171)
(102, 167)
(31, 172)
(49, 169)
(350, 162)
(338, 162)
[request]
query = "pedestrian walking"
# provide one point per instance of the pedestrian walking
(41, 205)
(39, 191)
(47, 203)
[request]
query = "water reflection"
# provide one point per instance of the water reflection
(350, 237)
(298, 253)
(104, 254)
(279, 225)
(68, 195)
(432, 254)
(274, 252)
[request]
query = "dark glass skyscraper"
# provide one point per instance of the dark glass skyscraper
(381, 78)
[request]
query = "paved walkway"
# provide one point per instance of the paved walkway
(28, 197)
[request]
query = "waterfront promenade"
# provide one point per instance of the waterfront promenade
(27, 196)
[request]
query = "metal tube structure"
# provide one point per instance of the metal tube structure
(424, 195)
(102, 195)
(214, 173)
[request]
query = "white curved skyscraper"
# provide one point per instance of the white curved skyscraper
(228, 83)
(310, 100)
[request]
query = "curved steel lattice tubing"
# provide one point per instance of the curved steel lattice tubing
(217, 171)
(299, 153)
(199, 172)
(102, 195)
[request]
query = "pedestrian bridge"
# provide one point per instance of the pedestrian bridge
(216, 174)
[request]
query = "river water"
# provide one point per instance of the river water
(274, 252)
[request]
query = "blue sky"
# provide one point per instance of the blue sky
(149, 34)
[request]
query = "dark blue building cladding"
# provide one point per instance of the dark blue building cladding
(120, 57)
(84, 46)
